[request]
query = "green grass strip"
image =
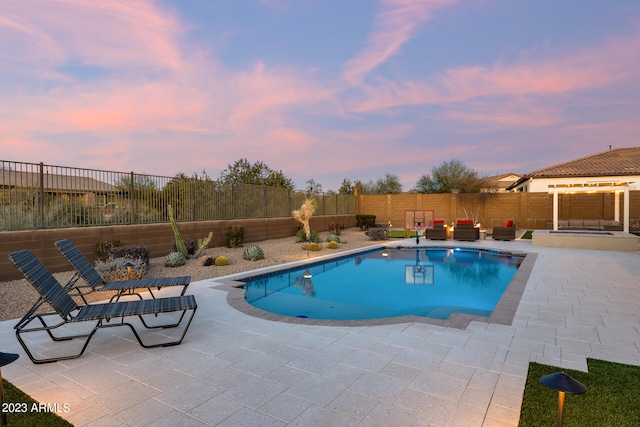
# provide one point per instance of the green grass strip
(398, 234)
(22, 410)
(611, 398)
(527, 234)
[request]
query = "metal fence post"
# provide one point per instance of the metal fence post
(41, 201)
(192, 198)
(233, 201)
(132, 199)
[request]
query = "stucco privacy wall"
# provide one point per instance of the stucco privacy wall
(528, 210)
(157, 237)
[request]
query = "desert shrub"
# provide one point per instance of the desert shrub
(130, 251)
(365, 221)
(123, 216)
(221, 260)
(68, 214)
(234, 237)
(302, 237)
(335, 228)
(121, 268)
(103, 248)
(377, 234)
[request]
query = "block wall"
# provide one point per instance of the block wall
(528, 210)
(157, 237)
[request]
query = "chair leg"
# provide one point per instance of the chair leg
(54, 359)
(165, 344)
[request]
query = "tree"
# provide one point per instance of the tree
(346, 187)
(258, 173)
(449, 177)
(313, 188)
(390, 184)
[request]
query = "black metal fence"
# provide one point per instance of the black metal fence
(39, 196)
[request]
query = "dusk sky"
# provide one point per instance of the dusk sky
(321, 89)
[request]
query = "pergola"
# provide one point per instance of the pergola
(595, 187)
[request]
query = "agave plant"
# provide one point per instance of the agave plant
(253, 253)
(175, 259)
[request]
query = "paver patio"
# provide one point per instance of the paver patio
(236, 370)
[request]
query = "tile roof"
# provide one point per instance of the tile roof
(54, 182)
(614, 162)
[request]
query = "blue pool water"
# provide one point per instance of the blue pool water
(429, 282)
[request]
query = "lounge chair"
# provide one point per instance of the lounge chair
(439, 231)
(95, 282)
(508, 232)
(465, 230)
(66, 311)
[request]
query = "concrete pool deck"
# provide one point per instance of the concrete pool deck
(234, 369)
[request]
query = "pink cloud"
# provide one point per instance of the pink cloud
(518, 111)
(262, 95)
(394, 25)
(510, 95)
(113, 33)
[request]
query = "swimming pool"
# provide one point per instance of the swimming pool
(432, 282)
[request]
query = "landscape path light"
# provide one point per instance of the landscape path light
(562, 383)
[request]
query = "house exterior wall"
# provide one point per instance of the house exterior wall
(541, 185)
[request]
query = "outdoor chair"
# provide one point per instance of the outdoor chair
(66, 312)
(508, 232)
(439, 231)
(466, 231)
(95, 282)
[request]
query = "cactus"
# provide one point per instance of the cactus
(175, 259)
(314, 246)
(182, 248)
(333, 245)
(253, 253)
(180, 244)
(202, 244)
(221, 260)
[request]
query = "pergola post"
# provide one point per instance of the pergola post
(625, 224)
(555, 209)
(616, 204)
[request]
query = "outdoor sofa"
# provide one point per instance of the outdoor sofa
(587, 224)
(466, 231)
